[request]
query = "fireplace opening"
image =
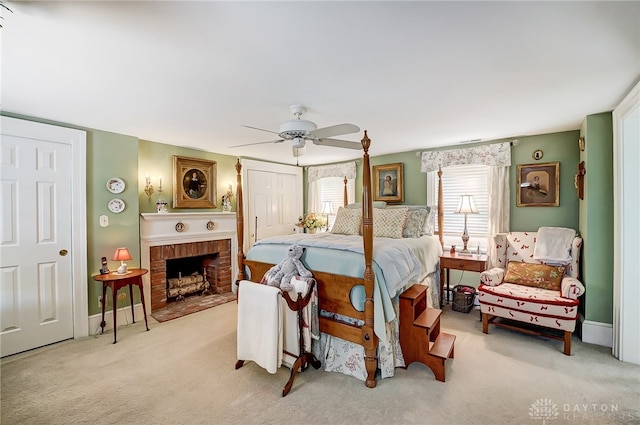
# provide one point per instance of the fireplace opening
(191, 275)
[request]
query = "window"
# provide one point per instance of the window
(456, 181)
(332, 189)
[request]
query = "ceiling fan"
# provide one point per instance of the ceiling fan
(298, 131)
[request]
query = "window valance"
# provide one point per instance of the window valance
(497, 155)
(347, 169)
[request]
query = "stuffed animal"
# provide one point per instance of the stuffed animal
(280, 275)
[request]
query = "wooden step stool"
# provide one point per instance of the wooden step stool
(420, 336)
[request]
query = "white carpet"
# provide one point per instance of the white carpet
(182, 372)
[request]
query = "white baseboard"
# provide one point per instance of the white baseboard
(597, 333)
(124, 317)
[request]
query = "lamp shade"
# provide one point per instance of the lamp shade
(121, 254)
(466, 205)
(327, 208)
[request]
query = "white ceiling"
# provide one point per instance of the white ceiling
(414, 74)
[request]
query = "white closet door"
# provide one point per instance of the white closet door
(273, 200)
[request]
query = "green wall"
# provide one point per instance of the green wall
(557, 147)
(596, 217)
(156, 159)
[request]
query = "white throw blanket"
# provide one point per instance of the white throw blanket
(260, 321)
(553, 245)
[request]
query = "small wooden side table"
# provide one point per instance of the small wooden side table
(116, 281)
(448, 261)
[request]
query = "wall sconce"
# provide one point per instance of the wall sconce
(148, 187)
(226, 199)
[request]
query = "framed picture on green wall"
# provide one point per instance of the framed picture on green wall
(194, 183)
(539, 185)
(388, 183)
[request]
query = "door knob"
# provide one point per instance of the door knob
(63, 252)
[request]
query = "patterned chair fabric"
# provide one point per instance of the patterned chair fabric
(554, 309)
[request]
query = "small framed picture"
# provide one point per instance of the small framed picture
(539, 185)
(194, 183)
(388, 183)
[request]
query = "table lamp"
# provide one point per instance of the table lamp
(122, 255)
(327, 209)
(466, 206)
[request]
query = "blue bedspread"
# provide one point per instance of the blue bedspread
(395, 265)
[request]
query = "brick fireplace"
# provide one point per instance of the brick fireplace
(216, 261)
(208, 237)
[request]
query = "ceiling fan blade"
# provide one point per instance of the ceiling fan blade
(334, 130)
(257, 143)
(261, 129)
(338, 143)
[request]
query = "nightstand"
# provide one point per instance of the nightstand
(448, 261)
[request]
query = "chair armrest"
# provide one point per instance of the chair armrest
(492, 277)
(571, 288)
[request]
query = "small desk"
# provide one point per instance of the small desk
(448, 261)
(116, 281)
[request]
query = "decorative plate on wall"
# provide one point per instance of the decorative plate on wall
(116, 205)
(115, 185)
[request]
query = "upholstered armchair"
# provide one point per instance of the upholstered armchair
(528, 291)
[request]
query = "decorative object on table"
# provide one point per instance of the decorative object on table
(161, 206)
(194, 183)
(122, 255)
(116, 205)
(537, 154)
(105, 266)
(539, 185)
(388, 183)
(453, 249)
(327, 210)
(226, 199)
(579, 180)
(466, 206)
(311, 222)
(115, 185)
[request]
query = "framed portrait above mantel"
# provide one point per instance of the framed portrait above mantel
(194, 183)
(539, 185)
(388, 183)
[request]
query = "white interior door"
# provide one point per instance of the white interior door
(273, 203)
(36, 270)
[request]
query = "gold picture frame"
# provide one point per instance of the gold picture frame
(388, 182)
(539, 185)
(194, 182)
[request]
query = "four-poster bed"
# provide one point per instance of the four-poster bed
(336, 288)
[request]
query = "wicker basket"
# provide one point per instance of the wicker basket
(463, 298)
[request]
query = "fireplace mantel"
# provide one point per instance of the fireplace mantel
(160, 229)
(181, 228)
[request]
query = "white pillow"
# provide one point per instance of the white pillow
(389, 222)
(348, 221)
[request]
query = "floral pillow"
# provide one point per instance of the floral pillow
(415, 223)
(537, 275)
(348, 221)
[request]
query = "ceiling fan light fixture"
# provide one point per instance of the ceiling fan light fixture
(298, 142)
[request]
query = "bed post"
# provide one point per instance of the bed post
(440, 209)
(369, 338)
(239, 222)
(345, 195)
